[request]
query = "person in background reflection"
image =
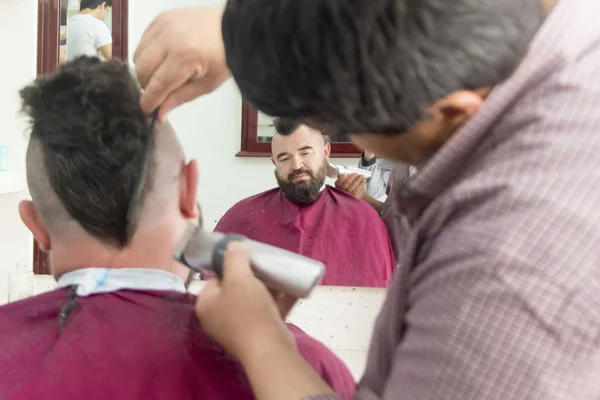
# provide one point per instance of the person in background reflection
(357, 186)
(121, 324)
(307, 217)
(87, 34)
(381, 170)
(378, 186)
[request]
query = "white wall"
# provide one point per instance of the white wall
(210, 130)
(18, 19)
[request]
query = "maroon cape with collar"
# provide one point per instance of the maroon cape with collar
(127, 345)
(344, 233)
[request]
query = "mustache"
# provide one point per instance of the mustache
(299, 172)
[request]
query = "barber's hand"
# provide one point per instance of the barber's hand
(238, 312)
(180, 57)
(353, 184)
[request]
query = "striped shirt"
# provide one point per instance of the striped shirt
(381, 170)
(497, 295)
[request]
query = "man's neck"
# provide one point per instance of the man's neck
(150, 251)
(89, 11)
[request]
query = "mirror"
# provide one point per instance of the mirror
(302, 214)
(264, 128)
(257, 132)
(265, 132)
(85, 29)
(68, 28)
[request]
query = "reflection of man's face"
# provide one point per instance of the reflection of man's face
(301, 161)
(303, 185)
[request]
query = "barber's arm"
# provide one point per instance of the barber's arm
(482, 327)
(255, 334)
(106, 51)
(381, 170)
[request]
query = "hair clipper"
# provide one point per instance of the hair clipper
(278, 269)
(334, 170)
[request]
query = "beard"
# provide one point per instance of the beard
(303, 191)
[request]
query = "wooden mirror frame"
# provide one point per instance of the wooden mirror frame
(48, 51)
(251, 147)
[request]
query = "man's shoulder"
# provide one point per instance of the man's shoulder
(30, 323)
(85, 22)
(240, 212)
(349, 201)
(256, 199)
(38, 304)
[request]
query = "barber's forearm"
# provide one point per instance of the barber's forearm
(373, 202)
(277, 371)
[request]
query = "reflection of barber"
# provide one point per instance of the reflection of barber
(356, 185)
(380, 169)
(87, 34)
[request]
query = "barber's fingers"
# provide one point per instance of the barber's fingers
(285, 302)
(208, 296)
(148, 39)
(148, 61)
(350, 183)
(170, 76)
(356, 182)
(211, 288)
(342, 182)
(236, 264)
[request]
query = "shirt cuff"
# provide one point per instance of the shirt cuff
(367, 163)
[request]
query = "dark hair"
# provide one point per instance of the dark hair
(286, 126)
(93, 4)
(87, 119)
(371, 66)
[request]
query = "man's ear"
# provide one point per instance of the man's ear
(327, 150)
(188, 187)
(32, 219)
(459, 106)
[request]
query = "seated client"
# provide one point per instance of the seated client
(121, 324)
(313, 219)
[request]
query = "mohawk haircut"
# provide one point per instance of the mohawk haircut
(90, 129)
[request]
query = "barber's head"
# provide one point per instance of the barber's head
(300, 156)
(83, 161)
(101, 7)
(400, 75)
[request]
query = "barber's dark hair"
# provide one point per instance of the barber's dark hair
(286, 126)
(87, 119)
(371, 66)
(93, 4)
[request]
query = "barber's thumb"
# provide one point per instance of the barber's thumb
(236, 263)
